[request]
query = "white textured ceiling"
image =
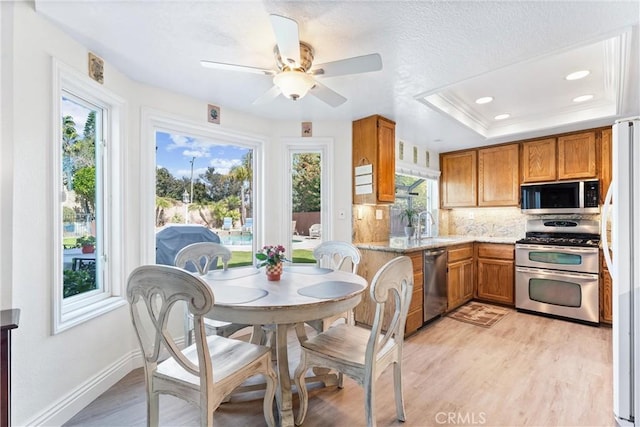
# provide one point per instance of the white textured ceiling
(518, 51)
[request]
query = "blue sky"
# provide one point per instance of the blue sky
(175, 152)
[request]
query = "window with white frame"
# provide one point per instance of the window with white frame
(87, 134)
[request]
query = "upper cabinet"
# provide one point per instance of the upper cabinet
(605, 162)
(374, 144)
(539, 160)
(459, 178)
(498, 183)
(577, 156)
(485, 177)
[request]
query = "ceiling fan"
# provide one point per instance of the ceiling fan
(295, 73)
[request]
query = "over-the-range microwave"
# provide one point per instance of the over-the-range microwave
(560, 197)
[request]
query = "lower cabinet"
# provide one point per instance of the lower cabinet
(369, 265)
(495, 273)
(606, 293)
(459, 275)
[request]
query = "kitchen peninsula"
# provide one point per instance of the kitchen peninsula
(469, 262)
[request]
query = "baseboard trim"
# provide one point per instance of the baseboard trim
(65, 408)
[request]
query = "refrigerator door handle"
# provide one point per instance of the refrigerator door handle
(606, 211)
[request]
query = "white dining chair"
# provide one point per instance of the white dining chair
(362, 353)
(204, 256)
(336, 255)
(204, 373)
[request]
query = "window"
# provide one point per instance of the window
(421, 194)
(203, 181)
(309, 191)
(87, 218)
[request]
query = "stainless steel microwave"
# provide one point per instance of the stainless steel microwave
(560, 197)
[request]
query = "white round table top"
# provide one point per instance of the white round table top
(244, 295)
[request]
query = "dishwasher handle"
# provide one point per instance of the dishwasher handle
(434, 253)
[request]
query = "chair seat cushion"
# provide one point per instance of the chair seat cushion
(346, 343)
(227, 357)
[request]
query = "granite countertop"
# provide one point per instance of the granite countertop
(404, 245)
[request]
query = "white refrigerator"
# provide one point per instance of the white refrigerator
(625, 268)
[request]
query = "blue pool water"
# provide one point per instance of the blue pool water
(244, 239)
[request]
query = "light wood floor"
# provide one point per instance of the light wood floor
(526, 370)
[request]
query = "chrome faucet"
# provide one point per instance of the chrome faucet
(427, 215)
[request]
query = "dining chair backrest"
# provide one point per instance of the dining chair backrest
(158, 288)
(203, 256)
(392, 284)
(334, 254)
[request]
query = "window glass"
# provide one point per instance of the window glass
(419, 194)
(306, 192)
(81, 205)
(203, 182)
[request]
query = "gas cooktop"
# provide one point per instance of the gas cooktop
(592, 241)
(562, 232)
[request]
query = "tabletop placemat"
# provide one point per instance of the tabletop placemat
(333, 289)
(307, 270)
(237, 294)
(232, 273)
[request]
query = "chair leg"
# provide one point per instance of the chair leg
(397, 384)
(153, 409)
(301, 385)
(269, 396)
(369, 401)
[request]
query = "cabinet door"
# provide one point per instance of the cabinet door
(605, 165)
(373, 143)
(415, 316)
(496, 280)
(459, 177)
(606, 292)
(498, 176)
(539, 160)
(459, 283)
(386, 161)
(577, 156)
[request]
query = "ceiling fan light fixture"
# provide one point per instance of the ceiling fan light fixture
(294, 84)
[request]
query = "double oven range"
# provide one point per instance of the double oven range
(557, 269)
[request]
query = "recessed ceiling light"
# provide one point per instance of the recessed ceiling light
(484, 100)
(502, 116)
(583, 98)
(578, 75)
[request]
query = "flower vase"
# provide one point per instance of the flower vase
(274, 271)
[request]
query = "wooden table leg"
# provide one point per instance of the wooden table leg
(284, 380)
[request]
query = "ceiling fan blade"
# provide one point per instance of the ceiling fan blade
(355, 65)
(235, 67)
(268, 96)
(327, 95)
(287, 39)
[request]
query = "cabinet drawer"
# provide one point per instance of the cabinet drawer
(492, 250)
(459, 253)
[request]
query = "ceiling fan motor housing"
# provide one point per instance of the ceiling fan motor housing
(306, 59)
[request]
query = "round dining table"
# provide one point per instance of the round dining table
(304, 293)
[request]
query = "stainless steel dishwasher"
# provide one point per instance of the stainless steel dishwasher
(435, 283)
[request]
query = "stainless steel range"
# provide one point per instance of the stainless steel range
(557, 269)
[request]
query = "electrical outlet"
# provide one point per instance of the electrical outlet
(378, 213)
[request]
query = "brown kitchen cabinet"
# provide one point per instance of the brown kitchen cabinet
(374, 144)
(459, 275)
(606, 292)
(539, 160)
(498, 176)
(605, 162)
(370, 263)
(495, 273)
(459, 179)
(577, 156)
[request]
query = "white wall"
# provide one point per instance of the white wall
(55, 376)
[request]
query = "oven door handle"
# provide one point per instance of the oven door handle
(557, 248)
(541, 271)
